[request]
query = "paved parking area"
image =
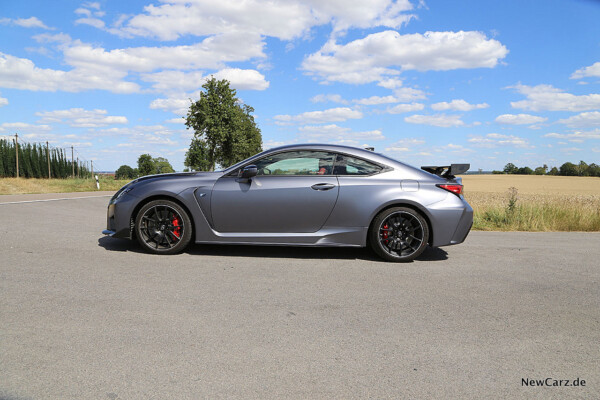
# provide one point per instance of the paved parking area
(89, 317)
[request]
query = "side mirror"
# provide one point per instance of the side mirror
(248, 172)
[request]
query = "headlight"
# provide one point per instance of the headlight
(121, 192)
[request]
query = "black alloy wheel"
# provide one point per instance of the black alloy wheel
(399, 234)
(163, 227)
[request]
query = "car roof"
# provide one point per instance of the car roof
(353, 151)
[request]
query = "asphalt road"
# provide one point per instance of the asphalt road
(88, 317)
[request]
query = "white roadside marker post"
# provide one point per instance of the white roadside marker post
(97, 183)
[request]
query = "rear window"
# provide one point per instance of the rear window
(346, 165)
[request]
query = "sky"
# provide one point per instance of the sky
(425, 82)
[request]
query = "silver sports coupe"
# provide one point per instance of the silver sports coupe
(299, 195)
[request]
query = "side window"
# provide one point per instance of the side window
(346, 165)
(301, 162)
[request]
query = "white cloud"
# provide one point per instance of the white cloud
(143, 136)
(403, 108)
(81, 118)
(549, 98)
(496, 139)
(319, 117)
(281, 19)
(22, 127)
(577, 136)
(243, 79)
(324, 98)
(406, 94)
(177, 105)
(3, 101)
(583, 120)
(21, 73)
(173, 82)
(170, 81)
(404, 145)
(457, 105)
(95, 22)
(337, 134)
(441, 120)
(212, 52)
(31, 22)
(375, 100)
(519, 119)
(587, 72)
(379, 55)
(52, 38)
(569, 149)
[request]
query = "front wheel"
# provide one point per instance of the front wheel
(399, 234)
(163, 227)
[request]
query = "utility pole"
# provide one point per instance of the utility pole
(48, 156)
(17, 151)
(72, 164)
(92, 162)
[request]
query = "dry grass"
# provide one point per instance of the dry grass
(32, 185)
(540, 203)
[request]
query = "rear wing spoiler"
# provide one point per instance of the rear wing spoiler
(447, 171)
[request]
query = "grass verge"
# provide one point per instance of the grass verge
(32, 185)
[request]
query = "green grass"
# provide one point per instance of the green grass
(32, 185)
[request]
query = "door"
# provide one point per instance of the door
(293, 192)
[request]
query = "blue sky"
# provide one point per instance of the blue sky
(431, 82)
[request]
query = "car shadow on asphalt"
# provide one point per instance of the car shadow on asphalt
(320, 253)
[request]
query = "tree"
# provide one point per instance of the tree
(540, 171)
(510, 168)
(124, 172)
(197, 156)
(524, 171)
(224, 130)
(146, 165)
(582, 169)
(594, 169)
(554, 171)
(568, 169)
(162, 166)
(151, 166)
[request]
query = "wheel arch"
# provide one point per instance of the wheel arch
(411, 205)
(147, 200)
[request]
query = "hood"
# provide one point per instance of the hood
(175, 175)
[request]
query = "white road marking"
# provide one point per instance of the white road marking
(63, 198)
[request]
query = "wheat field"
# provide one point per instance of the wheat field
(537, 203)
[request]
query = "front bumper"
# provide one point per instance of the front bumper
(118, 218)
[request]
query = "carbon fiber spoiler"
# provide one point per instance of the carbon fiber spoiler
(447, 171)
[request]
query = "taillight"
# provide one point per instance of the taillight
(451, 187)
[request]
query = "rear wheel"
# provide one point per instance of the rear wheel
(163, 227)
(399, 234)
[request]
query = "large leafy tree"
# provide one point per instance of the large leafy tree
(224, 130)
(146, 165)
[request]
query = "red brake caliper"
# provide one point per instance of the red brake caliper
(177, 223)
(385, 233)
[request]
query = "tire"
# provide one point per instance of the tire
(399, 234)
(163, 227)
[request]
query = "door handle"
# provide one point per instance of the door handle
(322, 186)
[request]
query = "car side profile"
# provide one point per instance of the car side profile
(298, 195)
